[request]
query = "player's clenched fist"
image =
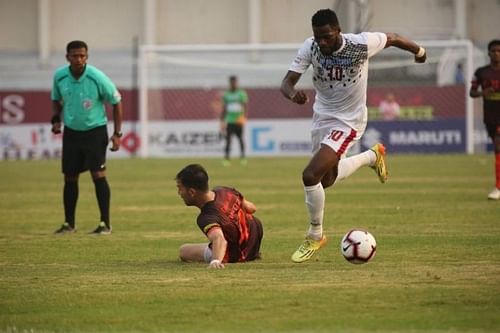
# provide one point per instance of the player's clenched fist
(300, 97)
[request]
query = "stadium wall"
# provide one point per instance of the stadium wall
(227, 21)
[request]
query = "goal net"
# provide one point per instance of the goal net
(180, 89)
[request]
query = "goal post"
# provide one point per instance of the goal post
(180, 88)
(204, 67)
(467, 58)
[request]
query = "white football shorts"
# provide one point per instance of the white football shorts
(207, 254)
(336, 135)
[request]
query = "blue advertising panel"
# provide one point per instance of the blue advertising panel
(436, 136)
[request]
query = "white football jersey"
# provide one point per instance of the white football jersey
(340, 79)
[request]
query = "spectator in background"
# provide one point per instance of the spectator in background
(486, 84)
(389, 107)
(79, 92)
(459, 74)
(233, 118)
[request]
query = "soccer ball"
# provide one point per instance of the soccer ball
(358, 246)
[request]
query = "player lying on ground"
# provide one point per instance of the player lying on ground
(226, 218)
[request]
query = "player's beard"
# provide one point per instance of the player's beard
(326, 51)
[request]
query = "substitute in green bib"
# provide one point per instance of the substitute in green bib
(79, 94)
(233, 118)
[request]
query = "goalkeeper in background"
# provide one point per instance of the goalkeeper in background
(233, 118)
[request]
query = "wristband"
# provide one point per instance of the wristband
(420, 53)
(118, 134)
(55, 119)
(215, 261)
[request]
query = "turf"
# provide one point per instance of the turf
(437, 267)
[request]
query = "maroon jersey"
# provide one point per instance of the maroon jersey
(242, 231)
(487, 77)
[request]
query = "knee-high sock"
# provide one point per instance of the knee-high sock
(315, 202)
(347, 166)
(70, 197)
(497, 169)
(242, 148)
(227, 149)
(103, 194)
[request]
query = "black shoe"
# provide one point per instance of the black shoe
(102, 229)
(65, 229)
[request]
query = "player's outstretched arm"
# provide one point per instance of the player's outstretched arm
(394, 39)
(219, 246)
(288, 88)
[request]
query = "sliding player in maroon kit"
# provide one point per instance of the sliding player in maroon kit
(488, 79)
(226, 218)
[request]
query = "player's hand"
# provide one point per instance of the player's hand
(422, 58)
(241, 120)
(222, 127)
(216, 263)
(56, 128)
(488, 91)
(115, 141)
(300, 97)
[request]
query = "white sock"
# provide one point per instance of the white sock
(347, 166)
(315, 202)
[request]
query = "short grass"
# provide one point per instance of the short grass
(437, 268)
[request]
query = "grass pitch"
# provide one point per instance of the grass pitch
(437, 267)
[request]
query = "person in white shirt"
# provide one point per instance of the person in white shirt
(389, 107)
(340, 73)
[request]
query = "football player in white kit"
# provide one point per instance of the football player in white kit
(340, 65)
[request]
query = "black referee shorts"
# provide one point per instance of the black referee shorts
(84, 150)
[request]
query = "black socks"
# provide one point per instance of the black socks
(70, 196)
(103, 195)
